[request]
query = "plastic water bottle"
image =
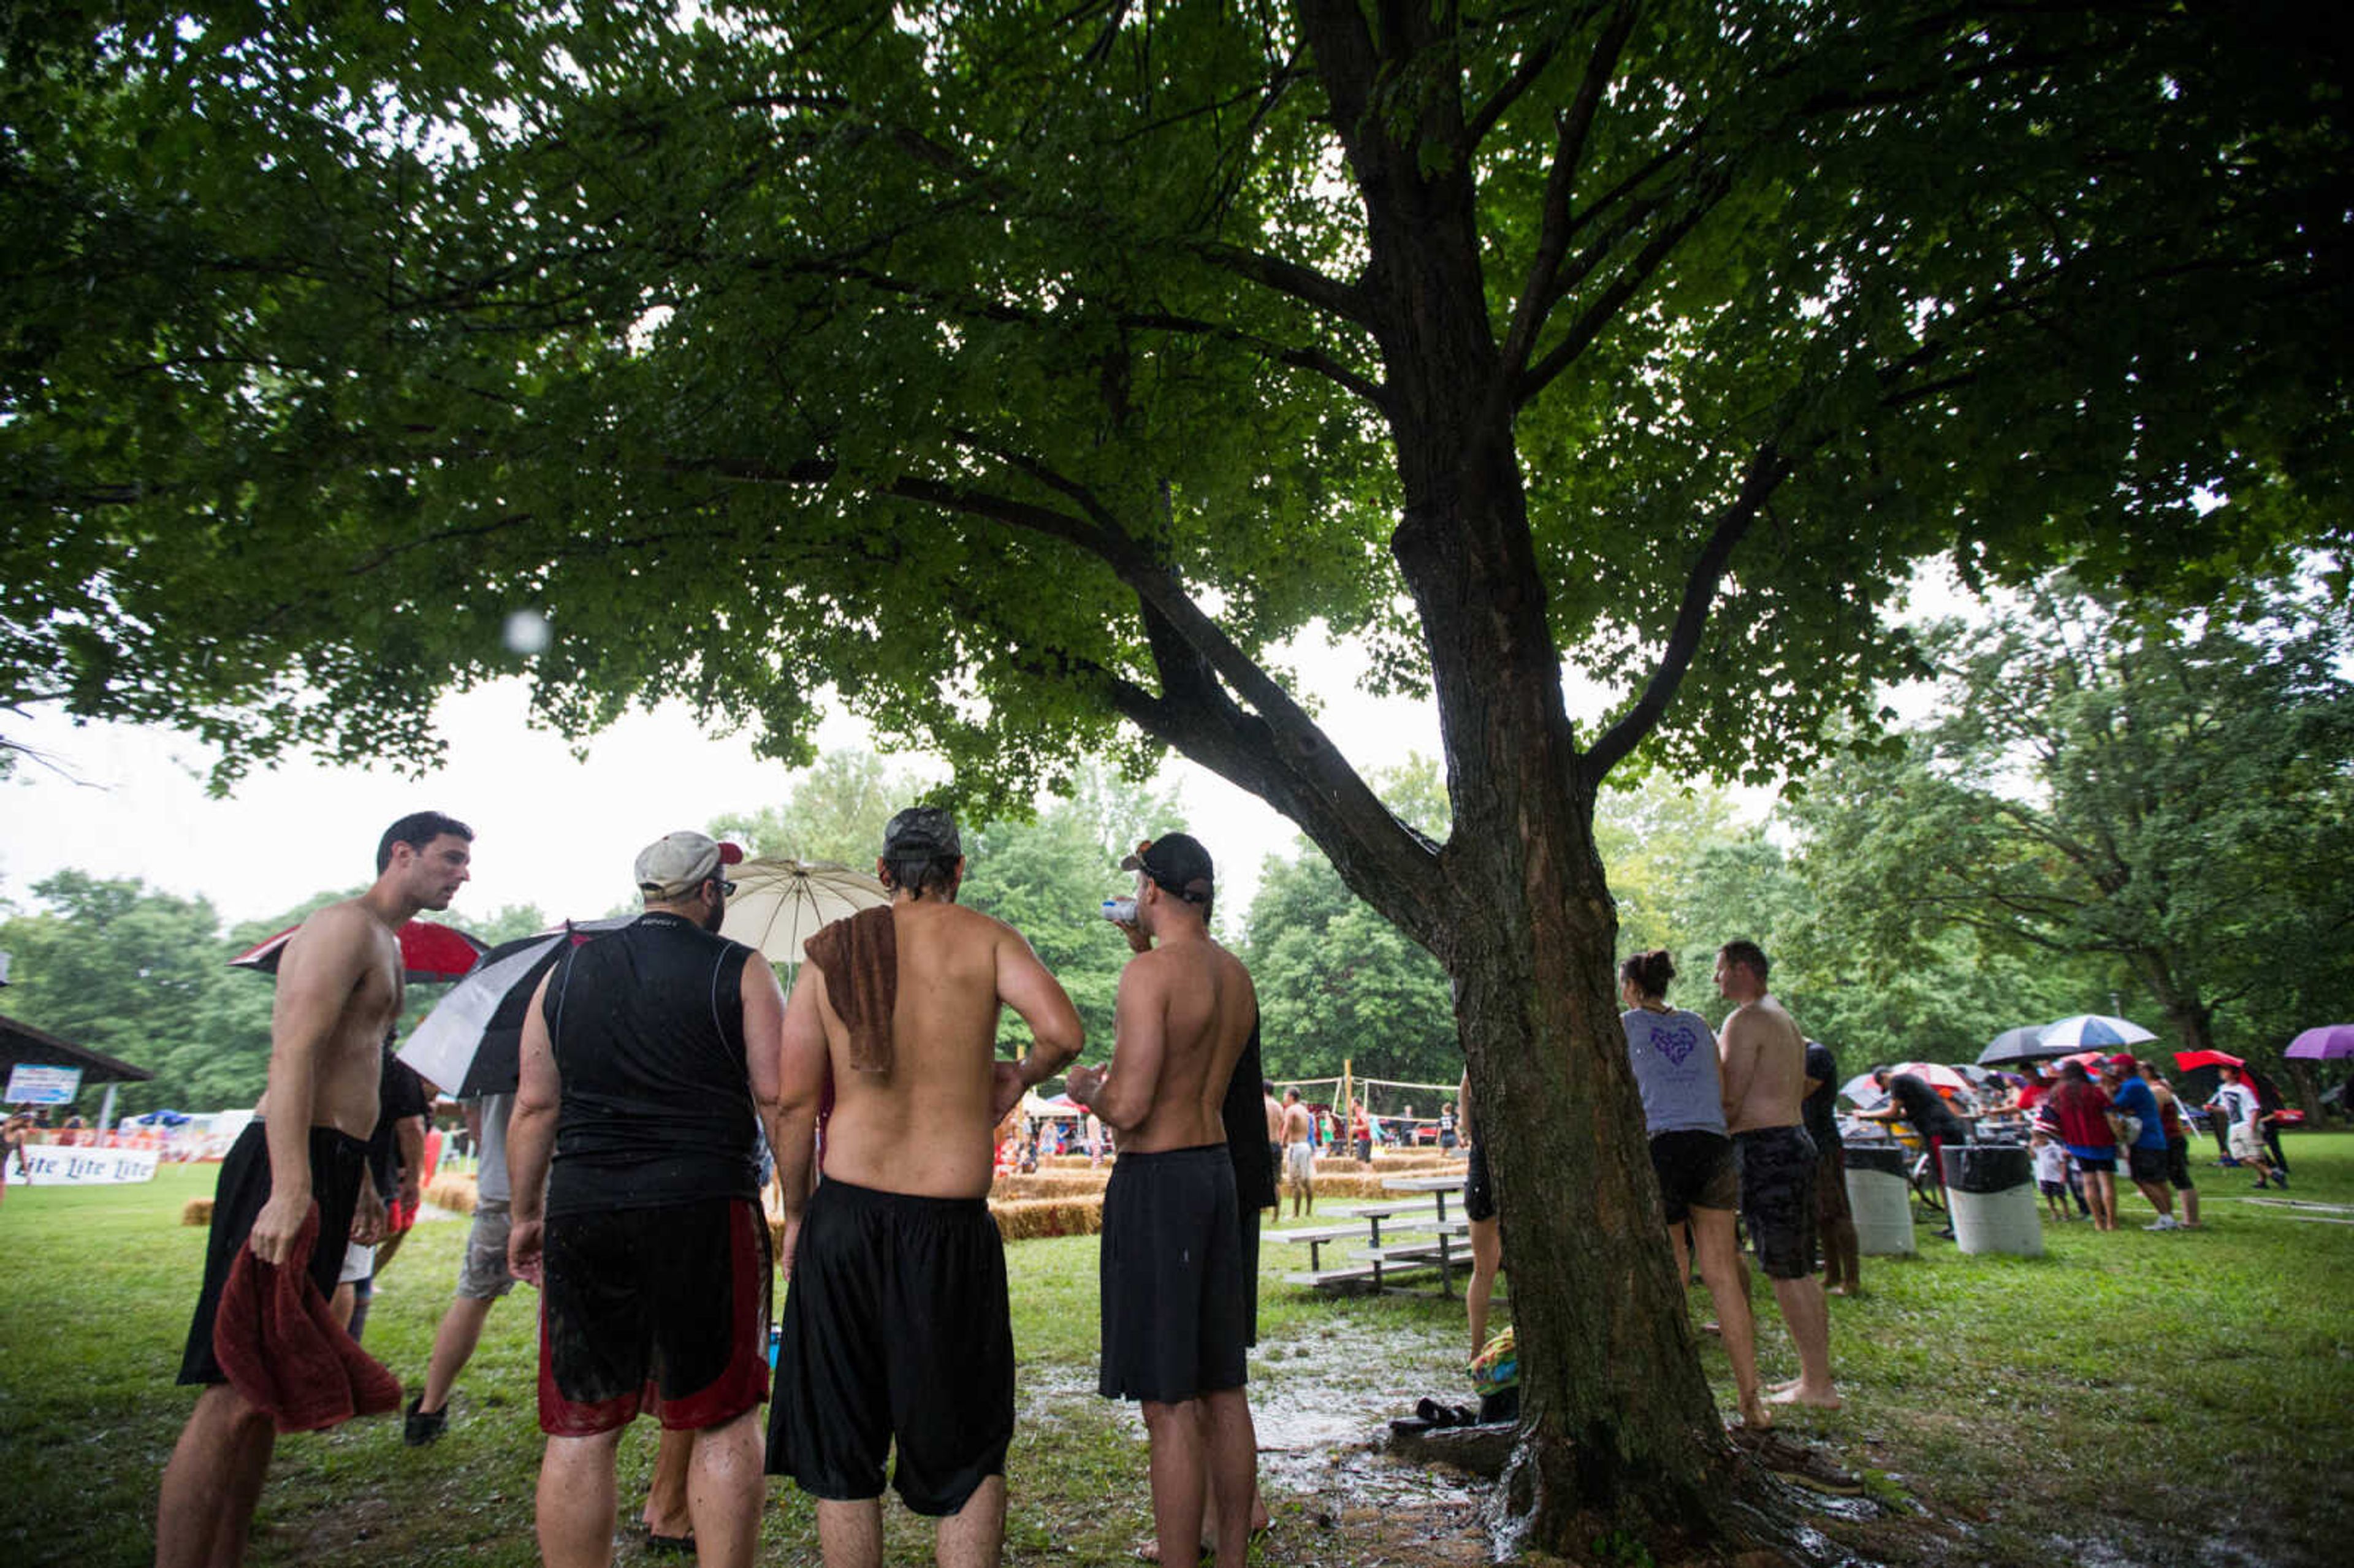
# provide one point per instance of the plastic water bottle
(1119, 911)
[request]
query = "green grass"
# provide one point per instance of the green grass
(2154, 1395)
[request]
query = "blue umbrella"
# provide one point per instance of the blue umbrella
(2092, 1031)
(2025, 1044)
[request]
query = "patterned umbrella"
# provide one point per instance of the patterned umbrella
(2088, 1030)
(471, 1043)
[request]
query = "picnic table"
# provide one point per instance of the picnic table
(1440, 1185)
(1422, 1236)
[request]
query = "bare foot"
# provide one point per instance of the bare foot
(1755, 1417)
(1799, 1394)
(1849, 1290)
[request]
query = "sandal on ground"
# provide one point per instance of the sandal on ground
(671, 1545)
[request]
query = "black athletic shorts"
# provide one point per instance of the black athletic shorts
(338, 1166)
(1250, 1218)
(661, 1310)
(1175, 1295)
(1778, 1198)
(1695, 1171)
(2178, 1163)
(2146, 1164)
(896, 1326)
(1479, 1192)
(1830, 1183)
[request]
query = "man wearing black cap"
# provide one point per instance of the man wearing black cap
(1177, 1289)
(649, 1055)
(897, 1325)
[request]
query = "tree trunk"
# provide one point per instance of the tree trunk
(1620, 1428)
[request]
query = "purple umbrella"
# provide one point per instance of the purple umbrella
(2331, 1039)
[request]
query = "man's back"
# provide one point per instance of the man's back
(924, 1126)
(1197, 999)
(1765, 1066)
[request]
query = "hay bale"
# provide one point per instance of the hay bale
(1014, 1185)
(1032, 1219)
(1351, 1184)
(454, 1192)
(197, 1212)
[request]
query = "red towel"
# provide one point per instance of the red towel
(859, 960)
(283, 1351)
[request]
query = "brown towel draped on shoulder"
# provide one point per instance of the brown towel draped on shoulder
(860, 958)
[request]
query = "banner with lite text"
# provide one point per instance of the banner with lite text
(74, 1165)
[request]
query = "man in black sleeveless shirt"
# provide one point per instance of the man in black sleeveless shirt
(649, 1059)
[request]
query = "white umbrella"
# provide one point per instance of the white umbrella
(2087, 1030)
(778, 904)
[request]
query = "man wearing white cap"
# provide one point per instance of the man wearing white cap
(645, 1052)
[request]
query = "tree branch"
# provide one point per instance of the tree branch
(1767, 470)
(1538, 292)
(1598, 314)
(1291, 278)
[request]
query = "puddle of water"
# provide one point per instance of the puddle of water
(1320, 1401)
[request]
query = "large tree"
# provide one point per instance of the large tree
(1026, 374)
(2176, 797)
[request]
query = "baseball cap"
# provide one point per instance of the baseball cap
(922, 832)
(677, 863)
(2122, 1059)
(1179, 864)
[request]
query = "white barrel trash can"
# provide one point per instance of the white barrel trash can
(1991, 1191)
(1880, 1197)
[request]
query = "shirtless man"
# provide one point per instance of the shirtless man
(1764, 1078)
(339, 990)
(1298, 1153)
(896, 1324)
(1274, 1108)
(1176, 1294)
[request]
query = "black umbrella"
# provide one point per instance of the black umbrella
(471, 1043)
(2024, 1044)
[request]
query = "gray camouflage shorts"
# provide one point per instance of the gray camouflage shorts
(482, 1276)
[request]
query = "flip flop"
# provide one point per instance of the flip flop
(670, 1545)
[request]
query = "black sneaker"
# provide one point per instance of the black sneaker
(420, 1428)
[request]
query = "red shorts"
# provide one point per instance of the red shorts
(664, 1310)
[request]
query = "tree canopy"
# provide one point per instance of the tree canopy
(766, 351)
(2171, 797)
(1026, 375)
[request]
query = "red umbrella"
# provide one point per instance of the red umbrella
(2186, 1060)
(428, 952)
